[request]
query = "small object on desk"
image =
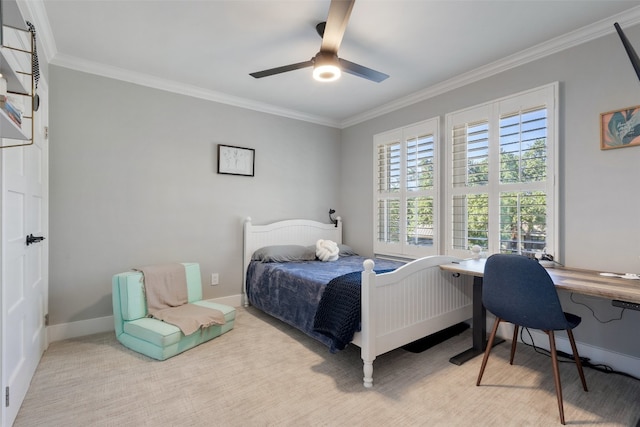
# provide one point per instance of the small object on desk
(475, 251)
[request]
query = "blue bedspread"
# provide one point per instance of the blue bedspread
(291, 291)
(338, 315)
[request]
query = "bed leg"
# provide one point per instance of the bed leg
(368, 374)
(368, 322)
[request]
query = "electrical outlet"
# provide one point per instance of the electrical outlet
(214, 279)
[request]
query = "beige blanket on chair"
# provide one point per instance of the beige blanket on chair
(165, 287)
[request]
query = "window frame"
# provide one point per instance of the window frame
(402, 135)
(493, 111)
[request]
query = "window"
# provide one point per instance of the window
(406, 191)
(501, 188)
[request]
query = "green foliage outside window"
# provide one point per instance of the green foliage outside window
(522, 214)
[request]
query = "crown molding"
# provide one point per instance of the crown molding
(558, 44)
(143, 79)
(36, 10)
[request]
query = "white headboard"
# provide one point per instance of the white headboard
(290, 232)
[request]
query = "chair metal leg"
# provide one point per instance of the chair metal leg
(576, 357)
(488, 349)
(556, 373)
(514, 341)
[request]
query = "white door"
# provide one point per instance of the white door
(24, 267)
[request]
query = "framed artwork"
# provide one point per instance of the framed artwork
(236, 160)
(620, 128)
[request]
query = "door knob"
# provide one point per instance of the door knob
(33, 239)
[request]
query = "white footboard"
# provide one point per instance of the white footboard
(416, 300)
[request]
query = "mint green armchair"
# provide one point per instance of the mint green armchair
(153, 337)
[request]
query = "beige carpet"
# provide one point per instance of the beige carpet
(264, 373)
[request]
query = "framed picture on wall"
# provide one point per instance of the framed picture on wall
(620, 128)
(236, 160)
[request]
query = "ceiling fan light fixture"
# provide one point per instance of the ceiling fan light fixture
(326, 67)
(326, 73)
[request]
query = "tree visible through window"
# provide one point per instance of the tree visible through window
(502, 189)
(498, 184)
(406, 190)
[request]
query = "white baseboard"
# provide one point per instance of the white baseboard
(617, 361)
(63, 331)
(232, 300)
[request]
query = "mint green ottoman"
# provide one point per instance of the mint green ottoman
(152, 337)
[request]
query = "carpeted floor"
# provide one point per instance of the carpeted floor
(264, 373)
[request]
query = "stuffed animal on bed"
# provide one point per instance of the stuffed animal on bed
(327, 250)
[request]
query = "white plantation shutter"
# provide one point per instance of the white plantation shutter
(388, 165)
(406, 191)
(501, 188)
(420, 154)
(470, 177)
(523, 137)
(523, 162)
(470, 149)
(419, 162)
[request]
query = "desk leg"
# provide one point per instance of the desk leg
(479, 336)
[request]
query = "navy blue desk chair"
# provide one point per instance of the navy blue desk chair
(518, 290)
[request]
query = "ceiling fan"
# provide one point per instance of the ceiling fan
(326, 64)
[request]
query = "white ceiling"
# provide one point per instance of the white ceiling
(207, 48)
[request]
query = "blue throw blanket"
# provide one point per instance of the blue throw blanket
(338, 313)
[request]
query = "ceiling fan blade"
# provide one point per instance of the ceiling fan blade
(283, 69)
(361, 71)
(339, 12)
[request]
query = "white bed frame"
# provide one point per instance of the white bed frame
(416, 300)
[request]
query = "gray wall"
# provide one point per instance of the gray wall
(133, 181)
(599, 190)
